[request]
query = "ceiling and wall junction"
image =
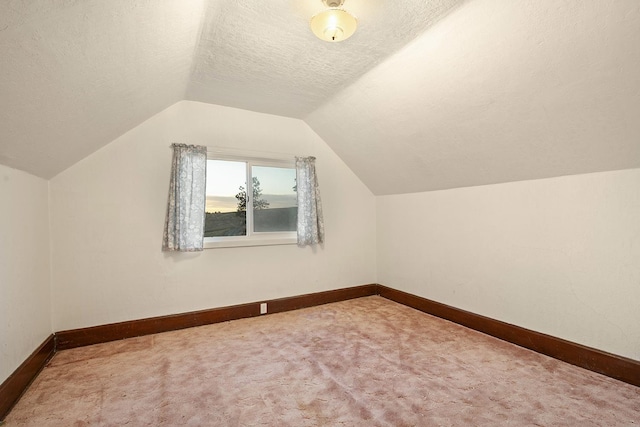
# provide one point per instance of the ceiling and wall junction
(425, 96)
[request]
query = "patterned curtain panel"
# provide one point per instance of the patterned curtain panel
(184, 224)
(310, 222)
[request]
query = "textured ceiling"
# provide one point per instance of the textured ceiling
(497, 91)
(77, 74)
(426, 95)
(261, 55)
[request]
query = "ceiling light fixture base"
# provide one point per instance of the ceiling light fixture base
(333, 24)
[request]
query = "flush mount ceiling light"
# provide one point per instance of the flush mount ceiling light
(334, 24)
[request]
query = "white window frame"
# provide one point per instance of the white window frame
(252, 238)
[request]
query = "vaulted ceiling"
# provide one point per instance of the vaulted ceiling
(426, 95)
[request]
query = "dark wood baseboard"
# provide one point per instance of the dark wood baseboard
(611, 365)
(135, 328)
(14, 386)
(319, 298)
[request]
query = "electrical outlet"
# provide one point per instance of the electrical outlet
(263, 308)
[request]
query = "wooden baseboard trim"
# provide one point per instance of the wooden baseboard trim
(320, 298)
(611, 365)
(135, 328)
(18, 382)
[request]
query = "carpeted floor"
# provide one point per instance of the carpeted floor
(363, 362)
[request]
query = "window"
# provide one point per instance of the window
(250, 201)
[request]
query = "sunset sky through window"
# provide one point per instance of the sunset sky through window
(224, 179)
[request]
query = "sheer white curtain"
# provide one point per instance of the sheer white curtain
(184, 223)
(310, 222)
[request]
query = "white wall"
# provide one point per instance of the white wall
(107, 214)
(560, 256)
(25, 296)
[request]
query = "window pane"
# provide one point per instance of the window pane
(274, 199)
(226, 212)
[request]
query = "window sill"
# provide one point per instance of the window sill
(237, 242)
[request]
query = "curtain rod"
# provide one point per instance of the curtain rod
(249, 154)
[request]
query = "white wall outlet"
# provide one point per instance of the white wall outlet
(263, 308)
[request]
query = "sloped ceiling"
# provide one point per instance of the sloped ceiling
(426, 95)
(497, 91)
(261, 55)
(77, 74)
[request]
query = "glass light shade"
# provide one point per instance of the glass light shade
(333, 25)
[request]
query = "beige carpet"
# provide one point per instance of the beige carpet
(364, 362)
